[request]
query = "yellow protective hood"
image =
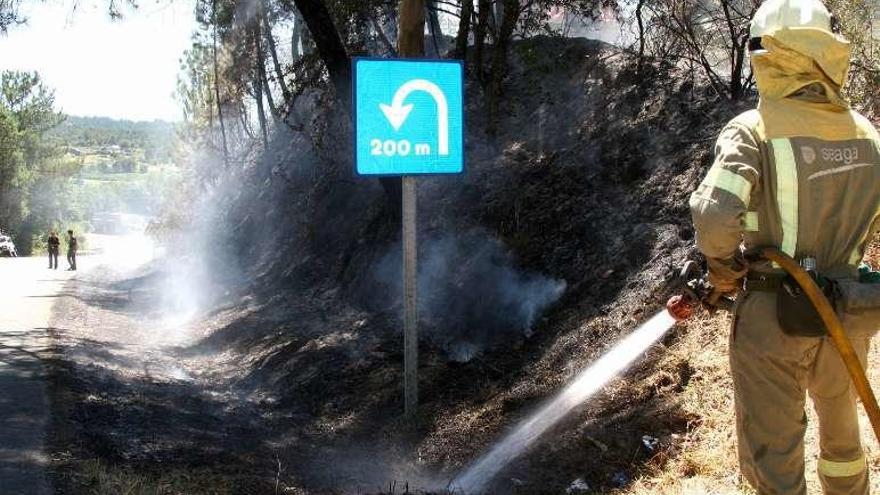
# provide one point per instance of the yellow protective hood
(796, 57)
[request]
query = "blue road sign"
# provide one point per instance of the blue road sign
(408, 116)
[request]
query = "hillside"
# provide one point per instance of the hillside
(561, 237)
(105, 135)
(584, 187)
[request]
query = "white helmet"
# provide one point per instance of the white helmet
(773, 15)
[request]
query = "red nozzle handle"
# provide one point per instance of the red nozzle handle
(680, 307)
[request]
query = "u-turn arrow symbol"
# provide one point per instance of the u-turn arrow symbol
(397, 112)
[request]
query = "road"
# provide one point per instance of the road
(28, 290)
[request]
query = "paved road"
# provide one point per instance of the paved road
(27, 292)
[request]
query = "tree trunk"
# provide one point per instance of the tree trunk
(261, 66)
(245, 123)
(273, 51)
(480, 35)
(258, 84)
(738, 44)
(390, 24)
(438, 45)
(498, 15)
(307, 42)
(499, 60)
(330, 46)
(217, 87)
(411, 30)
(380, 33)
(464, 23)
(641, 24)
(296, 36)
(737, 88)
(273, 109)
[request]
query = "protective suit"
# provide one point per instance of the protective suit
(800, 172)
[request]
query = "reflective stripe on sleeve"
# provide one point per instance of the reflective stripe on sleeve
(750, 221)
(786, 193)
(721, 178)
(835, 469)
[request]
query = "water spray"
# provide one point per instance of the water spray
(693, 290)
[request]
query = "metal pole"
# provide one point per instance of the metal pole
(410, 43)
(410, 300)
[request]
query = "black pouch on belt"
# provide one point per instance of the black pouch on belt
(796, 314)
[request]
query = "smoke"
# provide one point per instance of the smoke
(193, 264)
(472, 298)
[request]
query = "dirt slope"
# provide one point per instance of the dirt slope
(585, 183)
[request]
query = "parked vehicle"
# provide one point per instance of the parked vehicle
(7, 247)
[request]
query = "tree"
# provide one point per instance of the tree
(510, 16)
(711, 35)
(859, 23)
(464, 22)
(330, 47)
(32, 105)
(270, 40)
(483, 9)
(216, 84)
(27, 112)
(258, 77)
(12, 171)
(435, 33)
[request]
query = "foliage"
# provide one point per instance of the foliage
(9, 14)
(860, 24)
(26, 113)
(709, 36)
(234, 67)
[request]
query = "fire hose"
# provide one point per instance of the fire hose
(696, 290)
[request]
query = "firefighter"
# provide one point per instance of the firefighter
(54, 245)
(799, 172)
(71, 250)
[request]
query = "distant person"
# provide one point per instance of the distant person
(54, 244)
(71, 250)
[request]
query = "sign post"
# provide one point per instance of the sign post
(410, 299)
(409, 121)
(411, 43)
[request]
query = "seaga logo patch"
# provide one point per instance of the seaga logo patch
(840, 155)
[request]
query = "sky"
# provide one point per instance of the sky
(125, 69)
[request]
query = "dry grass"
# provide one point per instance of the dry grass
(703, 460)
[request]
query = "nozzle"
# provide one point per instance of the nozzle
(680, 307)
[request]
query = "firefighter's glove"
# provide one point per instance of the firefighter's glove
(724, 276)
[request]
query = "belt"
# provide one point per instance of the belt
(763, 282)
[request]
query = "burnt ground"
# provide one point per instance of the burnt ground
(288, 378)
(125, 395)
(139, 402)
